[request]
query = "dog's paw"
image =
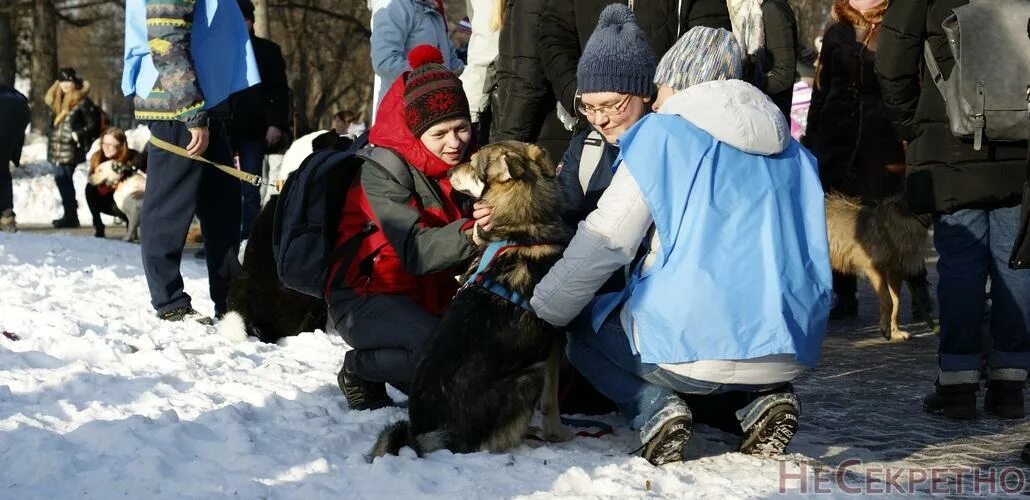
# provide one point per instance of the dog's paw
(233, 327)
(899, 335)
(557, 433)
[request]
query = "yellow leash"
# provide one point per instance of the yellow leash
(254, 180)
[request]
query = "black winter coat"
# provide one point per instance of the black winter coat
(944, 173)
(566, 25)
(524, 103)
(709, 13)
(267, 103)
(14, 117)
(70, 139)
(848, 128)
(778, 60)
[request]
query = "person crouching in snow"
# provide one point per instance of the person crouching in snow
(731, 289)
(414, 236)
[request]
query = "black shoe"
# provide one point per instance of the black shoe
(184, 314)
(1005, 399)
(362, 394)
(953, 401)
(771, 433)
(66, 223)
(846, 307)
(667, 446)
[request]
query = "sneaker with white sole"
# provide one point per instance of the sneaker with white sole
(769, 424)
(666, 434)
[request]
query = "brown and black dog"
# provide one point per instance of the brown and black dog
(491, 359)
(885, 243)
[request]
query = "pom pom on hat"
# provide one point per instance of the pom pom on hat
(424, 54)
(432, 92)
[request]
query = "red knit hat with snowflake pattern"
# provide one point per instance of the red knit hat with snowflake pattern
(432, 93)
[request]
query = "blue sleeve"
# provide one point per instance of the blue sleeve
(390, 28)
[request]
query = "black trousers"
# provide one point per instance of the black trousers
(386, 332)
(101, 204)
(178, 188)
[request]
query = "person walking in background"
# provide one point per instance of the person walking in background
(260, 116)
(76, 123)
(525, 106)
(14, 118)
(177, 73)
(848, 127)
(399, 26)
(100, 199)
(974, 196)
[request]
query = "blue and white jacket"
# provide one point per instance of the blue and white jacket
(737, 266)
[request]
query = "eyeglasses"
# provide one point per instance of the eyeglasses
(608, 111)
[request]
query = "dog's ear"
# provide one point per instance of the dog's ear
(539, 156)
(511, 167)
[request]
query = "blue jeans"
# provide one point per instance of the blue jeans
(639, 389)
(252, 160)
(63, 178)
(975, 244)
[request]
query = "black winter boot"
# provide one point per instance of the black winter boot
(362, 394)
(1005, 399)
(953, 401)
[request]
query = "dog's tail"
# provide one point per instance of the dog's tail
(398, 435)
(233, 327)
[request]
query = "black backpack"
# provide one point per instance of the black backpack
(308, 212)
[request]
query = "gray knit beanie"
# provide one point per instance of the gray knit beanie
(700, 55)
(617, 57)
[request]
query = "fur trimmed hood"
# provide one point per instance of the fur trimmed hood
(61, 103)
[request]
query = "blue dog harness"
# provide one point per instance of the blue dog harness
(493, 249)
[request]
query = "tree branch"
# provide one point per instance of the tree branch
(357, 23)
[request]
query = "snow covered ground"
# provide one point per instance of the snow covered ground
(99, 399)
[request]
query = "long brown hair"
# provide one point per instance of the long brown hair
(123, 153)
(871, 20)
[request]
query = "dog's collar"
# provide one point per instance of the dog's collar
(493, 249)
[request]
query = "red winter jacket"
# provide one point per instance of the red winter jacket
(419, 243)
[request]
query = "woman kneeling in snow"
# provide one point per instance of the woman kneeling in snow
(732, 287)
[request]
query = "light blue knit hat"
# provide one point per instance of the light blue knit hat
(616, 57)
(700, 55)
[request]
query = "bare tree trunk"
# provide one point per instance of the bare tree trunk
(8, 47)
(44, 60)
(261, 18)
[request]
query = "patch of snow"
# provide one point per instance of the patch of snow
(100, 399)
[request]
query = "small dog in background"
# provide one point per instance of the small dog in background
(885, 243)
(129, 185)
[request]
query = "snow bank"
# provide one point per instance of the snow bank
(99, 399)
